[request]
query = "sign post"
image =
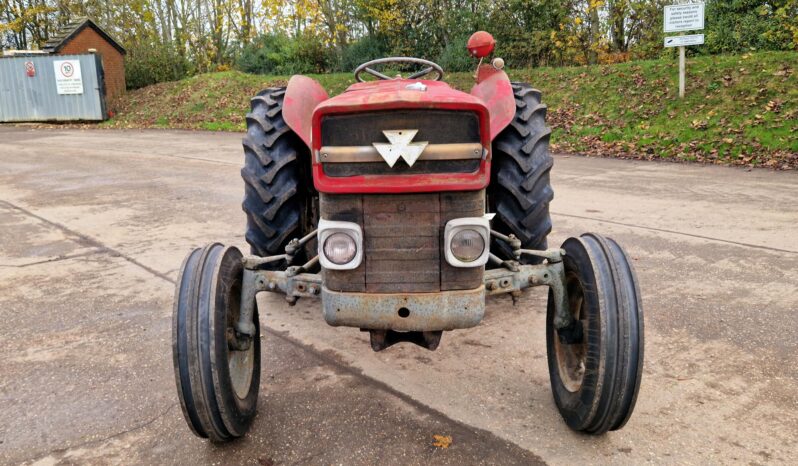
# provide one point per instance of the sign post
(679, 18)
(682, 71)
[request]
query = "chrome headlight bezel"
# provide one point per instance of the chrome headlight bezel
(479, 224)
(329, 227)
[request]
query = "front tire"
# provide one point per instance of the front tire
(217, 385)
(595, 378)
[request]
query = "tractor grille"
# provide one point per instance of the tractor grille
(403, 241)
(437, 127)
(434, 126)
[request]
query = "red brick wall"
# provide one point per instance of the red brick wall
(113, 61)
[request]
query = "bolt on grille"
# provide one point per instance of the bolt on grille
(403, 237)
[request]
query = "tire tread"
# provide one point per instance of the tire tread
(199, 341)
(618, 348)
(520, 190)
(272, 176)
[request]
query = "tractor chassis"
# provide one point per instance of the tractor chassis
(594, 329)
(511, 278)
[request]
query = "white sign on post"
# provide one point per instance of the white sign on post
(684, 41)
(686, 17)
(68, 79)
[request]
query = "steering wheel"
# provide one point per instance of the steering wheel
(429, 68)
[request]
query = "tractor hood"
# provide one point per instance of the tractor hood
(388, 103)
(448, 119)
(400, 93)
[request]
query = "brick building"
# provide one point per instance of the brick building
(84, 35)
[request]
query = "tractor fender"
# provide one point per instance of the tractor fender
(302, 96)
(494, 89)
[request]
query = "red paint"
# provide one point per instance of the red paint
(382, 95)
(480, 44)
(302, 95)
(495, 90)
(306, 103)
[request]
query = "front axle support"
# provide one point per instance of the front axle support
(295, 282)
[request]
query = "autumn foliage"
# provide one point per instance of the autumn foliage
(170, 39)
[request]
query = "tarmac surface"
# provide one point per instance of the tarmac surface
(94, 225)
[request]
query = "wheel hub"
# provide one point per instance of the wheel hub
(240, 358)
(571, 352)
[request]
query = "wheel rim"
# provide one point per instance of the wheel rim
(241, 364)
(572, 358)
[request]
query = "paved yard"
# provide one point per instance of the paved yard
(94, 224)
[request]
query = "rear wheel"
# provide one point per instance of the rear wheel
(595, 377)
(217, 385)
(278, 193)
(520, 189)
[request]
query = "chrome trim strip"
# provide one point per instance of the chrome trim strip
(350, 154)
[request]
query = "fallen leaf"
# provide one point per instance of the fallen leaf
(774, 106)
(441, 441)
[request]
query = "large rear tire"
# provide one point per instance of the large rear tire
(595, 378)
(278, 193)
(520, 189)
(217, 385)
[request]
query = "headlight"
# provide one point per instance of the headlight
(467, 245)
(340, 248)
(340, 245)
(466, 241)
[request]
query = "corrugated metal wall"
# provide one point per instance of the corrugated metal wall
(25, 98)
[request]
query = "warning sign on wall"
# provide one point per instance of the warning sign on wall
(68, 79)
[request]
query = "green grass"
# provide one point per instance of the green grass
(739, 110)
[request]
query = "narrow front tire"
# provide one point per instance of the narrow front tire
(596, 376)
(216, 384)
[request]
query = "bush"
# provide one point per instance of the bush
(732, 31)
(148, 64)
(309, 55)
(742, 25)
(264, 54)
(361, 51)
(455, 57)
(280, 54)
(785, 34)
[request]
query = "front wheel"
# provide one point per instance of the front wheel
(217, 384)
(595, 377)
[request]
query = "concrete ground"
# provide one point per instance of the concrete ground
(94, 225)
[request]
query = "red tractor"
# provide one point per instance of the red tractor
(403, 204)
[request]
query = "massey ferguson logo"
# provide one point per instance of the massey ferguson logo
(400, 146)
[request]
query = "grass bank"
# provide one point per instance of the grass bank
(739, 110)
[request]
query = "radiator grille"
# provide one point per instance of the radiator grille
(434, 127)
(403, 237)
(412, 224)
